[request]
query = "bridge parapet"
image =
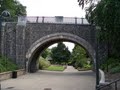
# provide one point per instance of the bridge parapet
(45, 19)
(57, 19)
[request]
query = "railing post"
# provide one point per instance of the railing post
(97, 62)
(75, 20)
(43, 19)
(115, 85)
(82, 20)
(37, 19)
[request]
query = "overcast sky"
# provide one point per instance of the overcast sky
(67, 8)
(67, 44)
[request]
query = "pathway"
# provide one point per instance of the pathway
(70, 79)
(70, 69)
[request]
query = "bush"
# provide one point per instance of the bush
(43, 63)
(2, 68)
(115, 70)
(6, 64)
(110, 64)
(88, 67)
(81, 63)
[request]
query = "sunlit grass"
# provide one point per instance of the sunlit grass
(55, 68)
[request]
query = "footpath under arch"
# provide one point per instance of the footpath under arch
(37, 47)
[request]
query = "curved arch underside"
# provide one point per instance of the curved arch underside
(37, 47)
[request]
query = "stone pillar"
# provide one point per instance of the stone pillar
(20, 46)
(3, 39)
(20, 42)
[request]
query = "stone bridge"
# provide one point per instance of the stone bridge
(24, 41)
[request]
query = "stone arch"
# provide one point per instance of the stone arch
(37, 47)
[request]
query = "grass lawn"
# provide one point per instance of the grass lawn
(55, 68)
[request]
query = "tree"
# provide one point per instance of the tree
(106, 15)
(46, 53)
(60, 54)
(79, 57)
(85, 2)
(13, 6)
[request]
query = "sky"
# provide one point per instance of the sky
(67, 44)
(66, 8)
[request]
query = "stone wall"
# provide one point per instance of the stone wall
(8, 75)
(18, 39)
(8, 42)
(35, 31)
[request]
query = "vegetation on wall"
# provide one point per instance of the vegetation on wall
(6, 64)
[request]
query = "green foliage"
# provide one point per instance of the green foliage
(13, 6)
(43, 63)
(6, 64)
(60, 54)
(81, 63)
(55, 68)
(46, 53)
(88, 66)
(106, 15)
(115, 70)
(79, 57)
(111, 64)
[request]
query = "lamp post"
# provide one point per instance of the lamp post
(97, 59)
(97, 66)
(4, 15)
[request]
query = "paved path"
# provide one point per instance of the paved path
(70, 69)
(70, 79)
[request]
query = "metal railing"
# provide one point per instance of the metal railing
(57, 19)
(42, 19)
(115, 83)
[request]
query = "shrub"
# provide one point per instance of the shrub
(110, 64)
(43, 63)
(6, 64)
(87, 67)
(2, 68)
(115, 70)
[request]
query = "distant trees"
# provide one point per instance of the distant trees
(60, 54)
(46, 53)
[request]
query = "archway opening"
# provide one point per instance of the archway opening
(62, 54)
(39, 46)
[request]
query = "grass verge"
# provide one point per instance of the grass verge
(55, 68)
(6, 64)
